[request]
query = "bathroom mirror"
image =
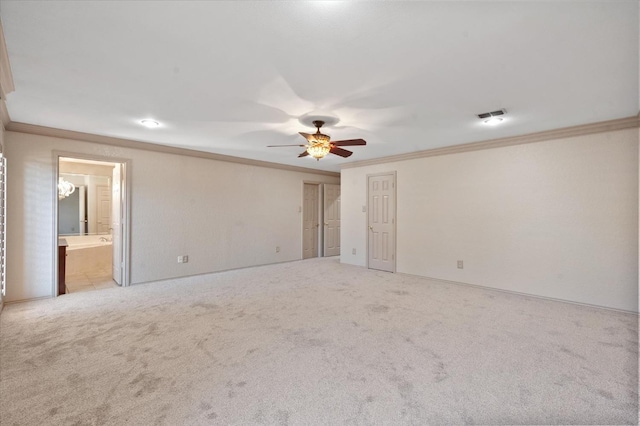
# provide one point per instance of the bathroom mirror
(86, 210)
(72, 212)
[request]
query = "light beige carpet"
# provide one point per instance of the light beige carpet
(314, 342)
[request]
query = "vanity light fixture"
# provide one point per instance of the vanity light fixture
(149, 123)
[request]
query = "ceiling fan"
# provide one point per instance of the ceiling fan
(319, 145)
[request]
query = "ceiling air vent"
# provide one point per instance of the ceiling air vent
(497, 113)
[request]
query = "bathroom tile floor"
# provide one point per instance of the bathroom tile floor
(94, 280)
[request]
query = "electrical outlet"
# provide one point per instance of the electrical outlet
(277, 249)
(185, 259)
(179, 259)
(353, 251)
(460, 264)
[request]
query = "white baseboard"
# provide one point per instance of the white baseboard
(484, 287)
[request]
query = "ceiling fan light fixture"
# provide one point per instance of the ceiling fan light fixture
(319, 145)
(321, 138)
(318, 150)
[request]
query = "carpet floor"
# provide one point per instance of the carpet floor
(314, 342)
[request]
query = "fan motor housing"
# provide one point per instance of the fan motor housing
(328, 119)
(321, 138)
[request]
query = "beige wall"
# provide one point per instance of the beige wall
(557, 219)
(222, 215)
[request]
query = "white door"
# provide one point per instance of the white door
(116, 222)
(310, 221)
(381, 209)
(331, 220)
(103, 208)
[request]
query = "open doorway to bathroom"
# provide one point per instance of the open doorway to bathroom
(91, 206)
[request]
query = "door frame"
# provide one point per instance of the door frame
(84, 225)
(320, 218)
(126, 212)
(323, 223)
(395, 216)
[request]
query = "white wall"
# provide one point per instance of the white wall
(223, 215)
(556, 219)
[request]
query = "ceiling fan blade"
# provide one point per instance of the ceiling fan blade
(349, 142)
(304, 154)
(341, 152)
(276, 146)
(307, 136)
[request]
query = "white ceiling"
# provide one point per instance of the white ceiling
(233, 77)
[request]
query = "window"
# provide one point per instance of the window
(3, 223)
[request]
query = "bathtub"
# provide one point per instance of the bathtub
(76, 242)
(87, 254)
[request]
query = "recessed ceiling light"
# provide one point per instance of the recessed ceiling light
(493, 121)
(149, 123)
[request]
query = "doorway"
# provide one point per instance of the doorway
(91, 226)
(381, 221)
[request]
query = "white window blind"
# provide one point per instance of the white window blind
(3, 223)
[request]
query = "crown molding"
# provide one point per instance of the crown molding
(6, 78)
(33, 129)
(565, 132)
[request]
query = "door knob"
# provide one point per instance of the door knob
(326, 224)
(371, 228)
